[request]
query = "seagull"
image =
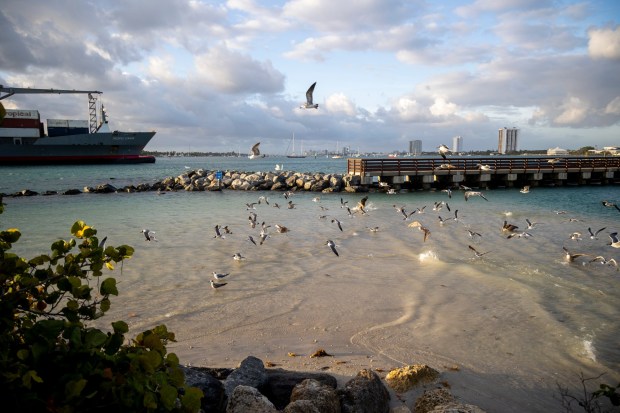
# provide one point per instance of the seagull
(290, 205)
(226, 229)
(473, 234)
(309, 104)
(610, 205)
(332, 245)
(218, 234)
(316, 199)
(255, 152)
(252, 219)
(484, 167)
(102, 243)
(335, 221)
(263, 237)
(238, 256)
(525, 189)
(262, 199)
(531, 225)
(438, 205)
(474, 193)
(373, 229)
(250, 206)
(575, 236)
(571, 257)
(251, 239)
(219, 276)
(443, 149)
(560, 212)
(288, 194)
(275, 205)
(279, 167)
(520, 234)
(554, 161)
(215, 285)
(343, 203)
(594, 235)
(281, 228)
(615, 243)
(427, 232)
(604, 261)
(391, 191)
(449, 191)
(149, 235)
(477, 253)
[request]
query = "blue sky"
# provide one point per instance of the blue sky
(222, 75)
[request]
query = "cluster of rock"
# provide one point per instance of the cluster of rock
(204, 180)
(251, 388)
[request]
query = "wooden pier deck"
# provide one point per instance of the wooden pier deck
(493, 171)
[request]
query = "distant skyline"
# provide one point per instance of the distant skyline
(218, 76)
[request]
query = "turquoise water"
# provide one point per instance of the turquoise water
(520, 315)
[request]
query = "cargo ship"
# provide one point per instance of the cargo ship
(26, 140)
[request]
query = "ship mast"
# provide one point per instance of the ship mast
(92, 99)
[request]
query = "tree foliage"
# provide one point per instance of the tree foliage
(52, 360)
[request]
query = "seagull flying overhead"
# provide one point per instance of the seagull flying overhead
(255, 152)
(595, 234)
(443, 150)
(469, 194)
(332, 245)
(149, 235)
(309, 104)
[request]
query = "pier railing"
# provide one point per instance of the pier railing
(494, 164)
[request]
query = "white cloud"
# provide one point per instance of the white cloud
(613, 107)
(339, 103)
(573, 111)
(604, 43)
(442, 108)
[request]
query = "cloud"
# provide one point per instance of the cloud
(232, 72)
(604, 43)
(339, 103)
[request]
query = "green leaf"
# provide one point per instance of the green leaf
(168, 395)
(108, 287)
(104, 305)
(40, 260)
(29, 377)
(191, 399)
(74, 387)
(95, 338)
(120, 327)
(10, 235)
(149, 401)
(23, 354)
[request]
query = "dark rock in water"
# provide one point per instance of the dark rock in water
(105, 189)
(251, 372)
(72, 192)
(50, 193)
(365, 393)
(26, 192)
(280, 384)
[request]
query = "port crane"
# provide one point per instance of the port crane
(92, 100)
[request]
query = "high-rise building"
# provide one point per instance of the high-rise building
(415, 147)
(457, 144)
(507, 140)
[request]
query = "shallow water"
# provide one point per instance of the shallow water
(519, 319)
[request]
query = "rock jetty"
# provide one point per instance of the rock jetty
(207, 180)
(252, 388)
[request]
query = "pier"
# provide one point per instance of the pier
(486, 172)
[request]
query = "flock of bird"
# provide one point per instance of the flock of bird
(362, 209)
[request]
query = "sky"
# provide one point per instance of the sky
(216, 76)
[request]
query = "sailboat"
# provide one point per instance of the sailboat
(337, 155)
(292, 154)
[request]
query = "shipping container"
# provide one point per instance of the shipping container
(19, 123)
(77, 131)
(21, 114)
(57, 123)
(19, 132)
(78, 123)
(54, 131)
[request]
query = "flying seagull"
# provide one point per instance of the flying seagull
(149, 235)
(255, 152)
(614, 240)
(309, 104)
(595, 234)
(570, 257)
(476, 252)
(332, 245)
(443, 150)
(474, 193)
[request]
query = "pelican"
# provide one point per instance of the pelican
(309, 104)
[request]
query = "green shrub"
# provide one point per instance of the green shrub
(51, 360)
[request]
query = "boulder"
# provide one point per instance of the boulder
(280, 384)
(365, 393)
(104, 189)
(247, 399)
(457, 408)
(214, 399)
(405, 378)
(432, 398)
(72, 192)
(323, 397)
(251, 372)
